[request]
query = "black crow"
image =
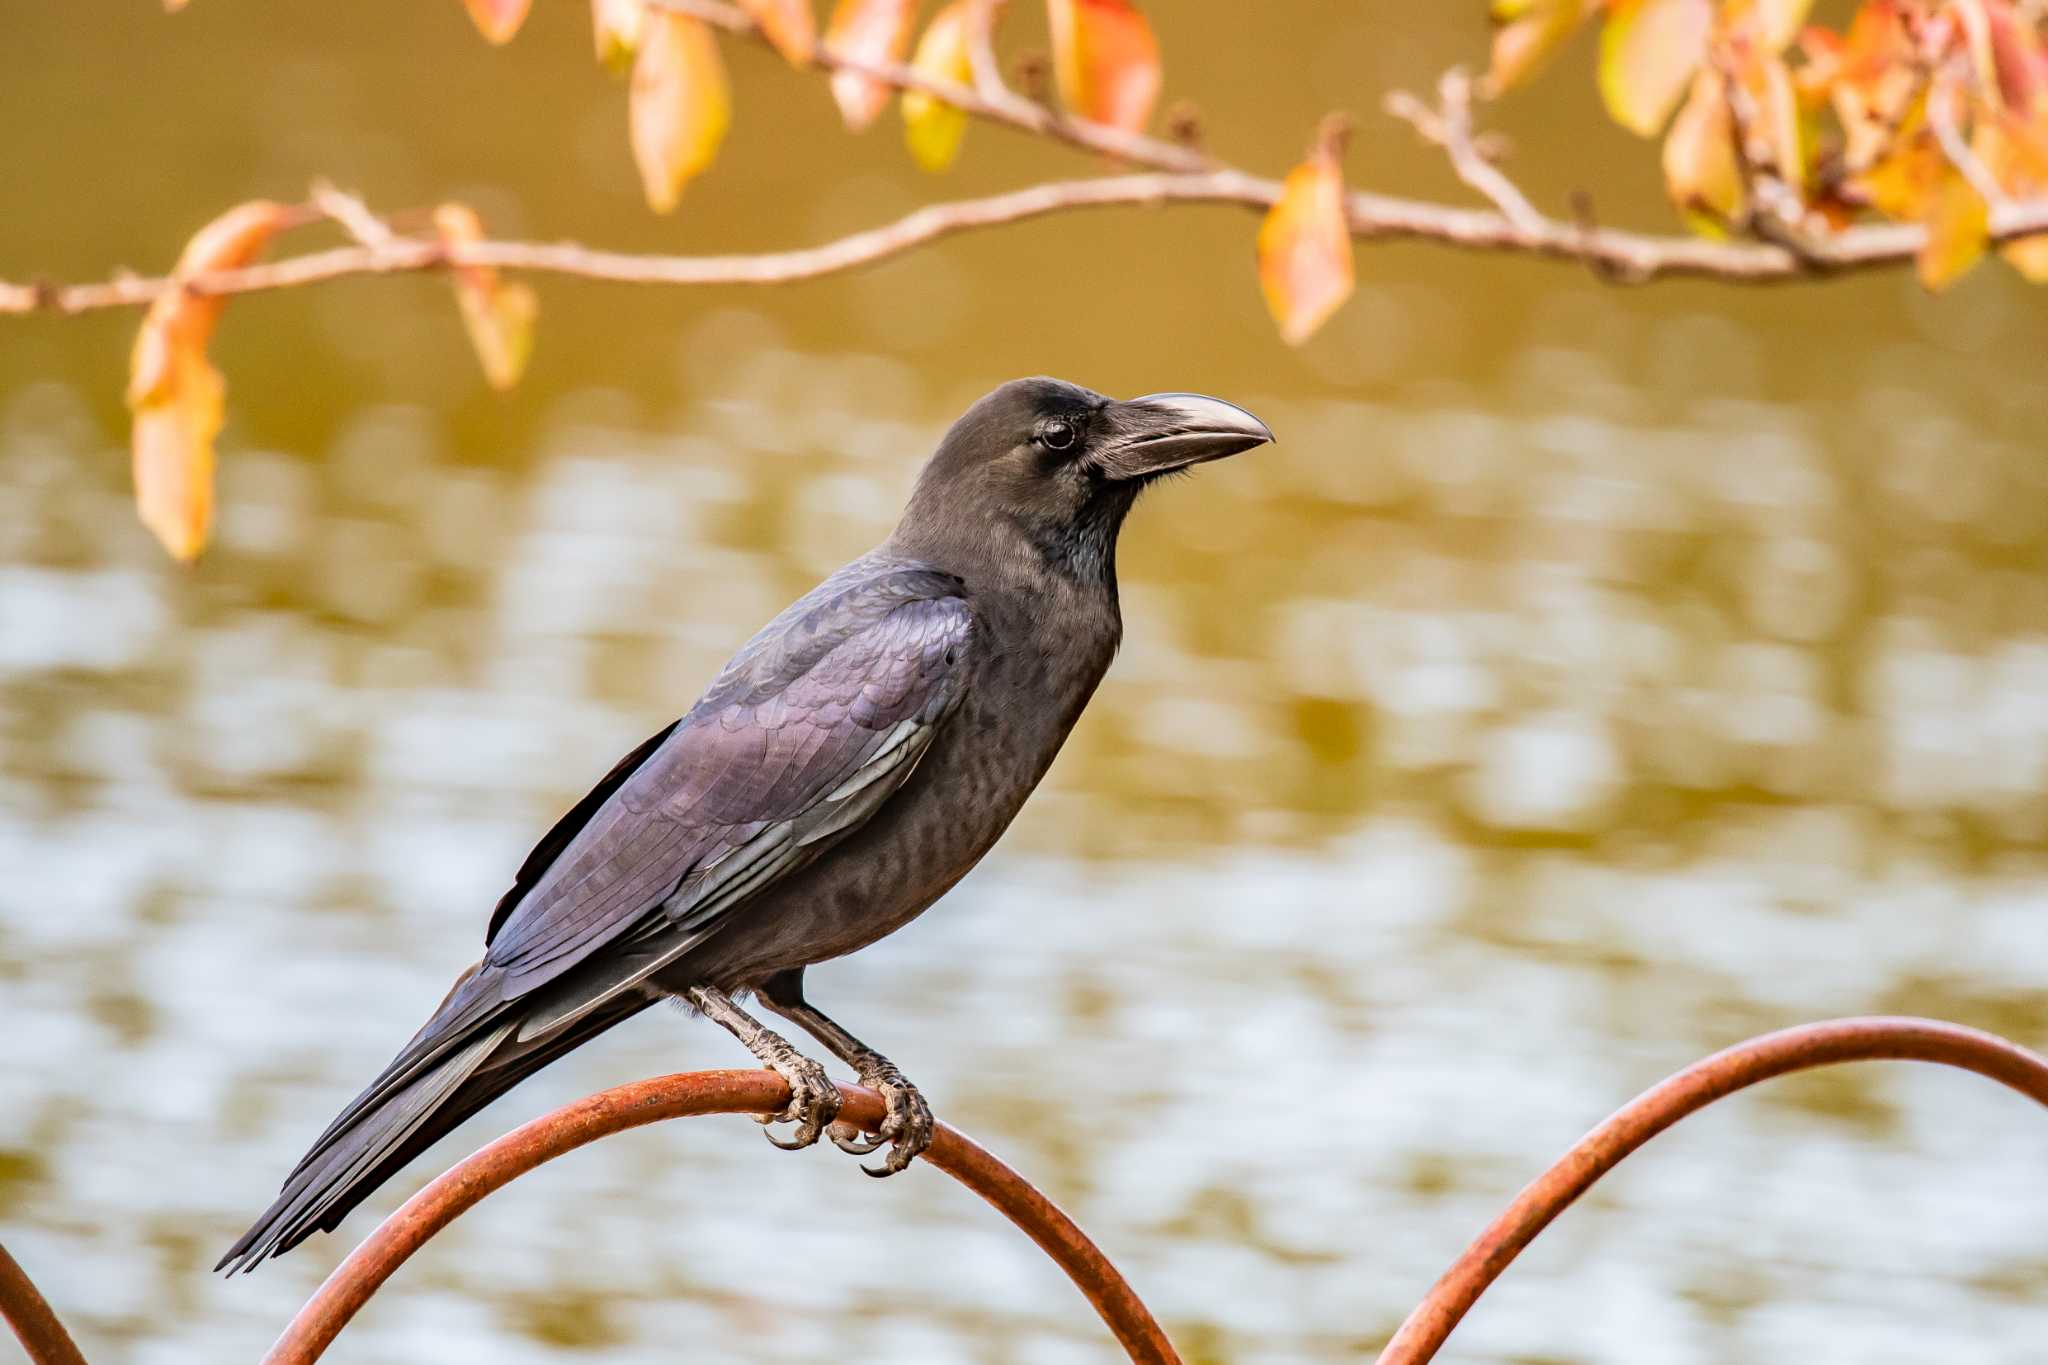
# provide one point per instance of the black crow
(848, 766)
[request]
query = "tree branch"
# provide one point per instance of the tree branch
(1627, 256)
(1449, 126)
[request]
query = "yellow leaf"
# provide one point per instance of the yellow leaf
(1649, 50)
(1527, 35)
(498, 316)
(616, 26)
(788, 24)
(1700, 166)
(933, 129)
(1958, 227)
(1777, 21)
(1305, 264)
(1779, 131)
(1105, 60)
(176, 395)
(2015, 151)
(680, 105)
(873, 32)
(498, 20)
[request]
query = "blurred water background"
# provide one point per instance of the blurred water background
(1587, 680)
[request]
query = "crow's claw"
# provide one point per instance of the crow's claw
(907, 1129)
(813, 1100)
(847, 1138)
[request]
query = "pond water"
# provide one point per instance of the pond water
(1586, 680)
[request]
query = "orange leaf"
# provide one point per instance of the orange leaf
(1701, 170)
(1778, 134)
(498, 20)
(173, 6)
(1527, 34)
(1105, 60)
(1958, 228)
(932, 129)
(1779, 21)
(616, 25)
(498, 316)
(680, 105)
(788, 24)
(1305, 264)
(1876, 82)
(1649, 50)
(176, 395)
(874, 32)
(2015, 151)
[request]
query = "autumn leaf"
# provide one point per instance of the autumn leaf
(498, 20)
(173, 6)
(1105, 60)
(1649, 50)
(1527, 34)
(1958, 230)
(680, 105)
(174, 391)
(2015, 152)
(931, 128)
(2006, 52)
(788, 25)
(498, 316)
(1701, 170)
(1775, 23)
(1876, 82)
(1305, 266)
(616, 25)
(1777, 131)
(874, 32)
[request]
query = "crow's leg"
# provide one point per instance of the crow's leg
(908, 1128)
(813, 1098)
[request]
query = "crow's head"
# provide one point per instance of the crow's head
(1062, 464)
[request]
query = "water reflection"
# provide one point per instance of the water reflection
(1469, 766)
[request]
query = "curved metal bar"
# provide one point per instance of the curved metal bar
(32, 1319)
(679, 1096)
(1699, 1085)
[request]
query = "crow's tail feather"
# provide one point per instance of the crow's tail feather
(391, 1124)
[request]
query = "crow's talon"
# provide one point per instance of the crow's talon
(813, 1101)
(907, 1129)
(848, 1138)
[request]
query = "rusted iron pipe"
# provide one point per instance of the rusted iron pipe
(680, 1096)
(30, 1315)
(1699, 1085)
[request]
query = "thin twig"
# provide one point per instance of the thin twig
(352, 214)
(1449, 126)
(1023, 114)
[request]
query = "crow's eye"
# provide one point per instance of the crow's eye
(1056, 435)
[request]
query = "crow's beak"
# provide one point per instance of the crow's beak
(1162, 432)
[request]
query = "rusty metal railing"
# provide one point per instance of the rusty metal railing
(1420, 1338)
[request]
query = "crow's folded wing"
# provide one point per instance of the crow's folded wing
(802, 737)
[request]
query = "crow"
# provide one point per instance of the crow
(848, 766)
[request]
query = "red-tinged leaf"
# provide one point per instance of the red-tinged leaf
(1958, 230)
(1876, 83)
(1649, 50)
(2015, 151)
(615, 25)
(1527, 34)
(1701, 169)
(1778, 132)
(789, 25)
(2011, 71)
(874, 32)
(1105, 60)
(176, 395)
(1305, 267)
(498, 20)
(932, 129)
(498, 316)
(680, 105)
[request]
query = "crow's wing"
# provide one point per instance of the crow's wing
(802, 737)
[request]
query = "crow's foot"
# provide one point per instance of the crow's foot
(907, 1130)
(813, 1098)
